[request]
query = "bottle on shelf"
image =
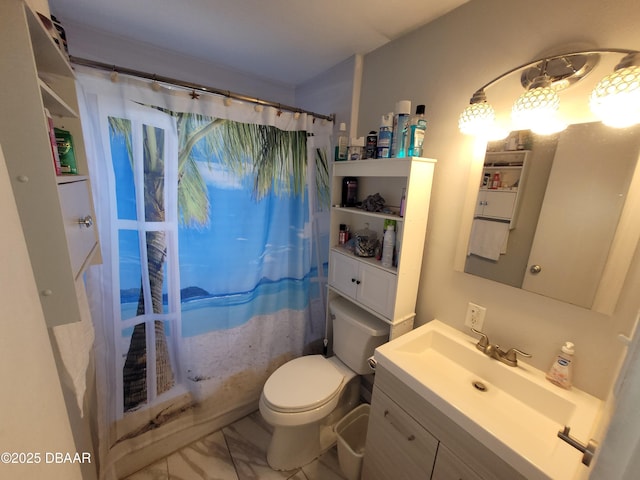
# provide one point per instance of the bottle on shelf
(371, 146)
(400, 120)
(341, 144)
(385, 136)
(349, 191)
(415, 133)
(495, 181)
(388, 244)
(356, 148)
(403, 202)
(343, 236)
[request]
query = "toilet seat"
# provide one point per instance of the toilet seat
(302, 384)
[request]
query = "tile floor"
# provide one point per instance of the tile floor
(237, 452)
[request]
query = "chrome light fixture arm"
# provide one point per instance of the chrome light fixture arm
(479, 116)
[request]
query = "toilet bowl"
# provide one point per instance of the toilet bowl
(307, 396)
(302, 400)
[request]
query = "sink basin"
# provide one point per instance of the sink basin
(514, 411)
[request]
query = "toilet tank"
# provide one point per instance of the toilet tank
(356, 334)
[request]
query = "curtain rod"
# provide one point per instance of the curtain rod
(194, 86)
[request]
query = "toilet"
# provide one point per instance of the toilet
(307, 396)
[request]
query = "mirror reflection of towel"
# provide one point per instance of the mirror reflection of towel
(488, 238)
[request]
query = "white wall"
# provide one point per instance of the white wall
(441, 65)
(110, 49)
(334, 92)
(329, 92)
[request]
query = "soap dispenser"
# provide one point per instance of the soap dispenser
(561, 371)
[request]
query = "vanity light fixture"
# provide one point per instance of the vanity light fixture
(615, 100)
(537, 108)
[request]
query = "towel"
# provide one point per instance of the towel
(75, 341)
(488, 238)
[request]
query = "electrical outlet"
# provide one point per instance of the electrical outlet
(475, 316)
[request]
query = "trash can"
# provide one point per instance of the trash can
(351, 432)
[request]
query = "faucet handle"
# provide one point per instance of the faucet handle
(484, 340)
(511, 357)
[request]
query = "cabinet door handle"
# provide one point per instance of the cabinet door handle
(357, 282)
(410, 437)
(86, 221)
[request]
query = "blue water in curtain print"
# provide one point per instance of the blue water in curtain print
(253, 257)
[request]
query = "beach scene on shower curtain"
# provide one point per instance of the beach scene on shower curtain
(215, 259)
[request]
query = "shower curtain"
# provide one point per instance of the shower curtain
(213, 223)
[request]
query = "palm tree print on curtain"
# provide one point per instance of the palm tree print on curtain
(274, 160)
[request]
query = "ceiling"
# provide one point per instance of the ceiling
(287, 41)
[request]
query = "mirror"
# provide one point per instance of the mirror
(556, 236)
(570, 228)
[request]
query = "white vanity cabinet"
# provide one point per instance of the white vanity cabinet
(388, 293)
(56, 211)
(411, 439)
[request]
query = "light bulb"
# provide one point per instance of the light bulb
(536, 109)
(477, 119)
(616, 98)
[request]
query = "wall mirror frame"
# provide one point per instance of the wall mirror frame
(576, 219)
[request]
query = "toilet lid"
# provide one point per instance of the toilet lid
(302, 384)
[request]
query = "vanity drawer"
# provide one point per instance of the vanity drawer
(395, 438)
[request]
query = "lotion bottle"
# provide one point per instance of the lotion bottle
(561, 371)
(388, 244)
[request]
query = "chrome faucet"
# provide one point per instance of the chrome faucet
(494, 351)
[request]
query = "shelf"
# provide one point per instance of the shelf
(54, 103)
(506, 159)
(368, 260)
(359, 211)
(70, 178)
(49, 58)
(493, 166)
(499, 190)
(377, 167)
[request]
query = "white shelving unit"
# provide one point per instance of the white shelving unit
(502, 203)
(56, 212)
(388, 293)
